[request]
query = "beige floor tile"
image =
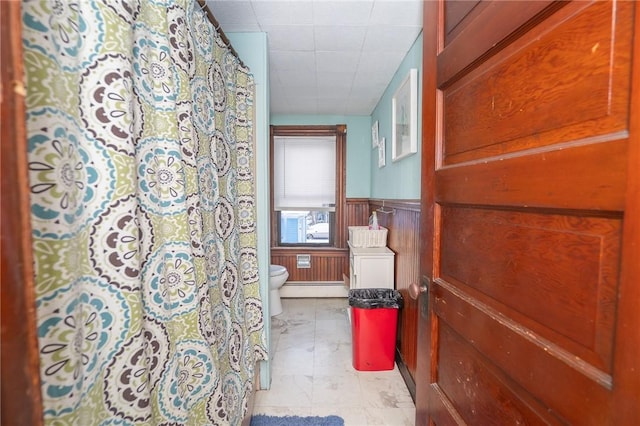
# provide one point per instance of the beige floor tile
(286, 391)
(352, 416)
(332, 359)
(388, 417)
(337, 390)
(284, 411)
(296, 361)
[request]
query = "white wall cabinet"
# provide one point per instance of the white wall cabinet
(371, 267)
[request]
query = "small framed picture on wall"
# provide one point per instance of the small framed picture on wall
(404, 118)
(381, 152)
(374, 135)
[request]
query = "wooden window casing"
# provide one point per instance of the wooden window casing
(340, 132)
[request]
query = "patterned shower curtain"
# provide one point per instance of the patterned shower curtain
(141, 173)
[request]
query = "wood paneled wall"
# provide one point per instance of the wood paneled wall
(403, 223)
(357, 212)
(327, 264)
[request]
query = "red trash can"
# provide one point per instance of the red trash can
(374, 320)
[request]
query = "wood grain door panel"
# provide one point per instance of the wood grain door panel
(475, 29)
(566, 80)
(554, 274)
(528, 133)
(573, 390)
(481, 389)
(580, 175)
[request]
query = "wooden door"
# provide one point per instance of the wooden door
(19, 367)
(531, 214)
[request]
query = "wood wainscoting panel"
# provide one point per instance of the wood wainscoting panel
(357, 212)
(326, 264)
(402, 219)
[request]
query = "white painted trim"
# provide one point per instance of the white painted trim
(293, 289)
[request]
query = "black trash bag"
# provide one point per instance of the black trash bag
(372, 298)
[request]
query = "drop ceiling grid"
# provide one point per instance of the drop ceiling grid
(327, 56)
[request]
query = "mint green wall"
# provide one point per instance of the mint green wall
(396, 180)
(358, 167)
(400, 179)
(364, 179)
(252, 48)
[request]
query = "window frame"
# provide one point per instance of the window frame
(337, 239)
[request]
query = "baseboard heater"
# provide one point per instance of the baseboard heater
(296, 289)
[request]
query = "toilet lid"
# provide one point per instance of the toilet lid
(276, 270)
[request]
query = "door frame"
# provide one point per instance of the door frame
(21, 394)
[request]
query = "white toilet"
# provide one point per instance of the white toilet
(277, 277)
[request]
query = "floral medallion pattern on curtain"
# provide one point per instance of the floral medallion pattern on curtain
(141, 168)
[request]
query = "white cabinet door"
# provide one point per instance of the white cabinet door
(371, 267)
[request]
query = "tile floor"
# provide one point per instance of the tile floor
(312, 373)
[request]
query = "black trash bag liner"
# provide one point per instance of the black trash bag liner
(372, 298)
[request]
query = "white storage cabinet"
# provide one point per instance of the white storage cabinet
(371, 267)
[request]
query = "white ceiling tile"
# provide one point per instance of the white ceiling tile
(330, 61)
(340, 38)
(388, 38)
(283, 12)
(327, 56)
(331, 91)
(278, 96)
(360, 90)
(279, 108)
(385, 63)
(361, 106)
(348, 110)
(397, 12)
(302, 105)
(299, 92)
(341, 80)
(286, 60)
(341, 12)
(290, 37)
(232, 12)
(275, 87)
(279, 105)
(295, 89)
(332, 106)
(296, 79)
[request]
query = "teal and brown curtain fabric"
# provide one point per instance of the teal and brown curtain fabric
(141, 168)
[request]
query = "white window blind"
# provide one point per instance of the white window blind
(304, 170)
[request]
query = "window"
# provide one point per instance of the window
(307, 184)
